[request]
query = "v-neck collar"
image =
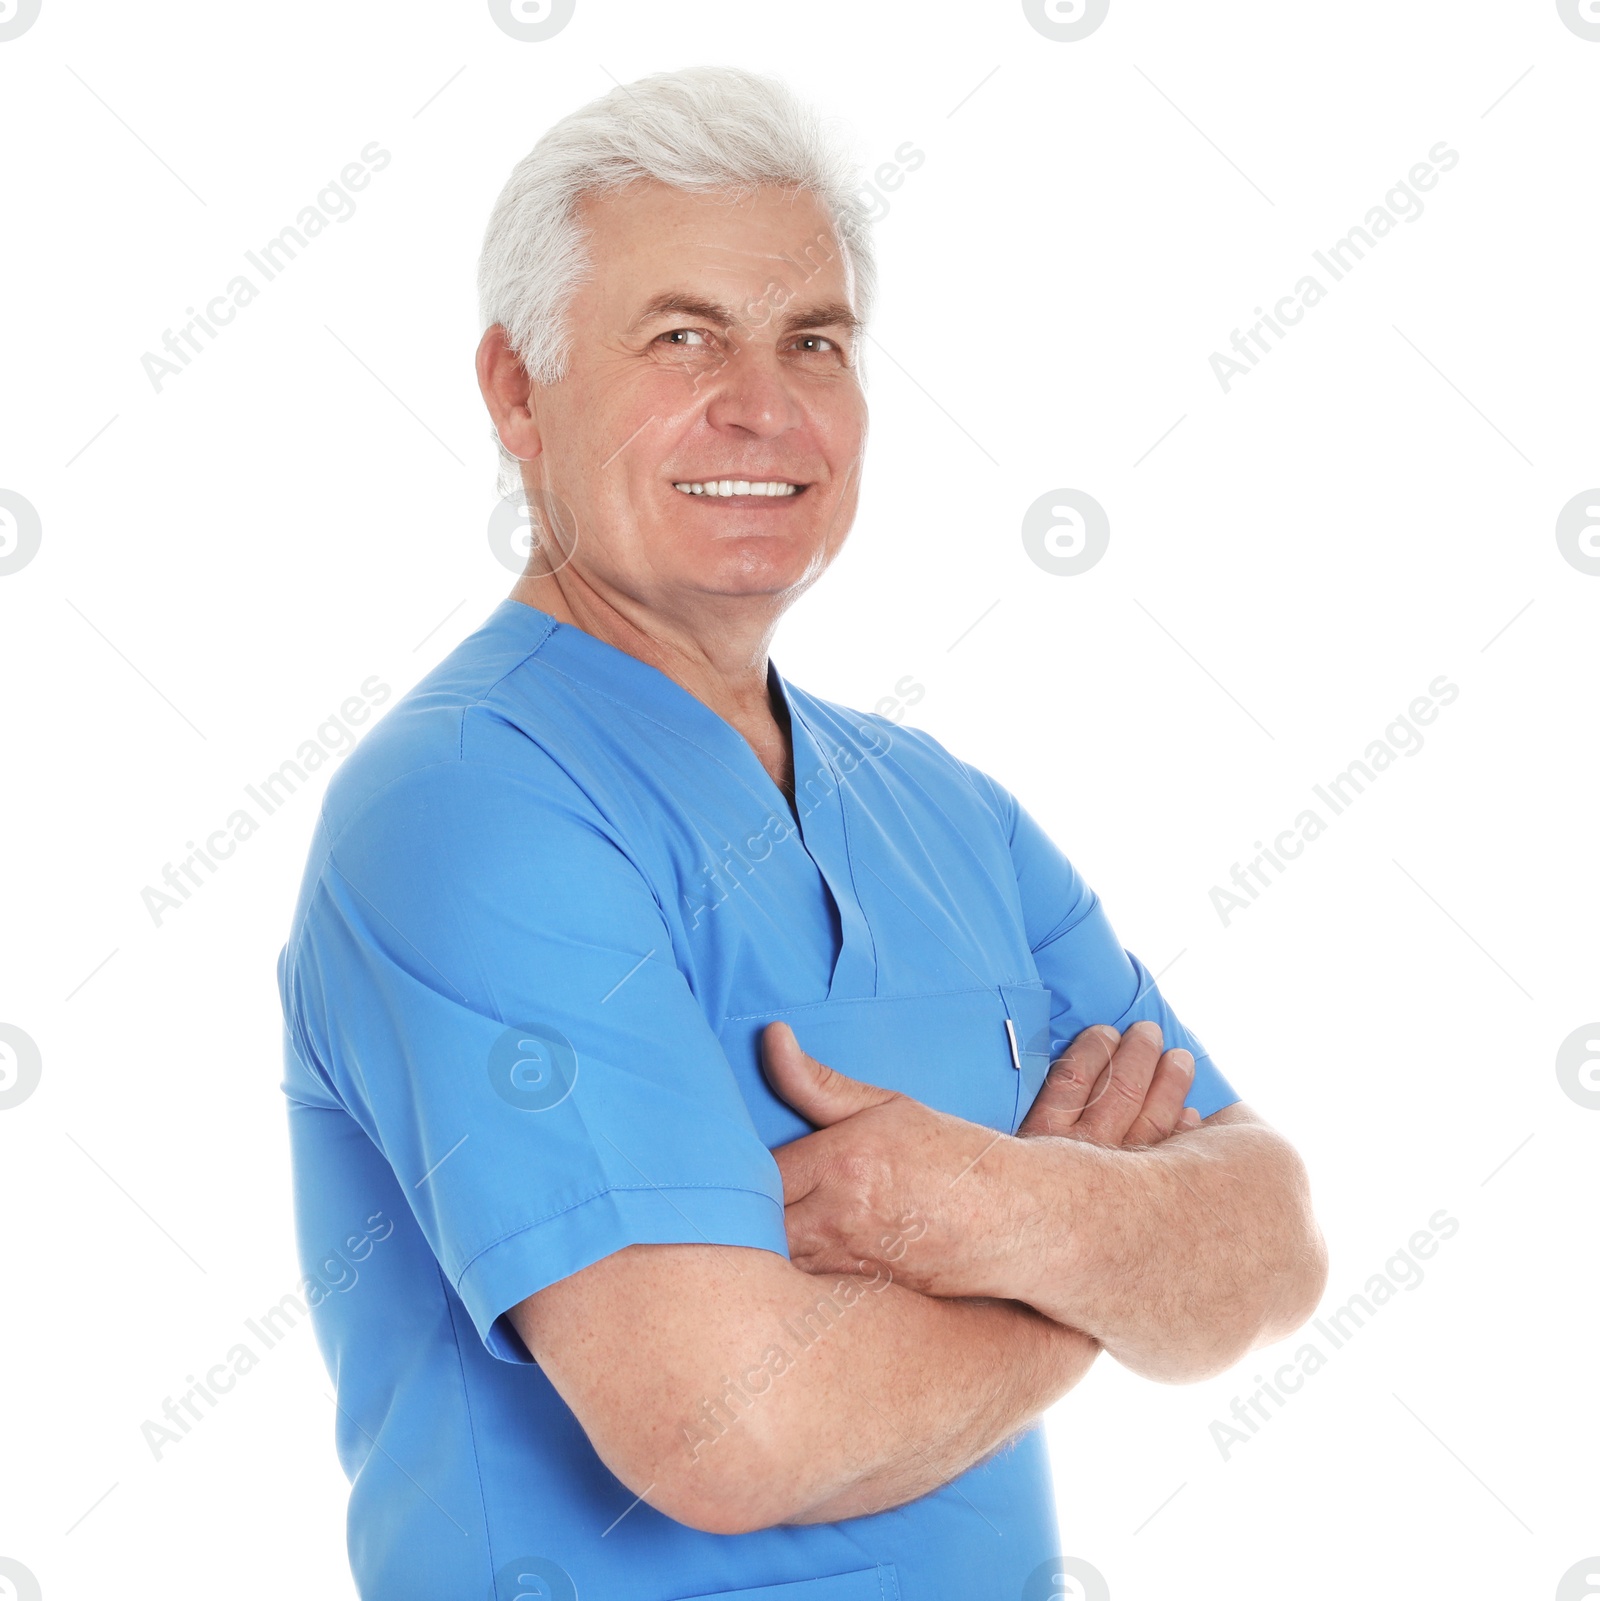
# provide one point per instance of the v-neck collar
(819, 789)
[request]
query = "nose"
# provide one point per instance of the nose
(751, 396)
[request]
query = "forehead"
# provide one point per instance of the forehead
(649, 238)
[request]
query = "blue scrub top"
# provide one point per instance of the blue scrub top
(551, 900)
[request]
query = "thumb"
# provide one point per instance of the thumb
(813, 1089)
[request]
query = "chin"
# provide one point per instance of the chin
(755, 566)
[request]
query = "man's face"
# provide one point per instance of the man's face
(715, 341)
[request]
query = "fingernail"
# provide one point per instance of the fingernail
(1186, 1060)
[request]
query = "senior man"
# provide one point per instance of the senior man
(687, 1199)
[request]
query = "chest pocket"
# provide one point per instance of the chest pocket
(951, 1051)
(1028, 1011)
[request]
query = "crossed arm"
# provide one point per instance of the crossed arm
(1178, 1248)
(945, 1285)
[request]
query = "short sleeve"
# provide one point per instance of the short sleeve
(1092, 979)
(487, 985)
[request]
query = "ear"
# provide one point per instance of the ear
(508, 392)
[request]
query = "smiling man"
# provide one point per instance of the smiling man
(696, 1034)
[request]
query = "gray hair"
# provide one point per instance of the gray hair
(701, 129)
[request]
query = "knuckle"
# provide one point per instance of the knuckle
(1125, 1089)
(1067, 1075)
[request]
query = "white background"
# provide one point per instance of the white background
(223, 563)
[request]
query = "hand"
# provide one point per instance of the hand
(1111, 1089)
(886, 1184)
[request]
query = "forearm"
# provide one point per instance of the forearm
(915, 1392)
(733, 1391)
(1179, 1258)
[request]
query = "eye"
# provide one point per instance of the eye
(684, 338)
(816, 342)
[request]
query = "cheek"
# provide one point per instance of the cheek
(663, 401)
(842, 427)
(608, 424)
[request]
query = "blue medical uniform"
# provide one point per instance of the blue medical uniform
(551, 900)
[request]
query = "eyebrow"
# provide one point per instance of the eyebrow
(674, 303)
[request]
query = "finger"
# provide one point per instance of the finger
(1191, 1119)
(1070, 1082)
(1118, 1095)
(815, 1091)
(1163, 1101)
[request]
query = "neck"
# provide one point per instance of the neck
(717, 651)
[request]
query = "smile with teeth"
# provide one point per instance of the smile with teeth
(775, 487)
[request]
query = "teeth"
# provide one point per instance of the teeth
(739, 486)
